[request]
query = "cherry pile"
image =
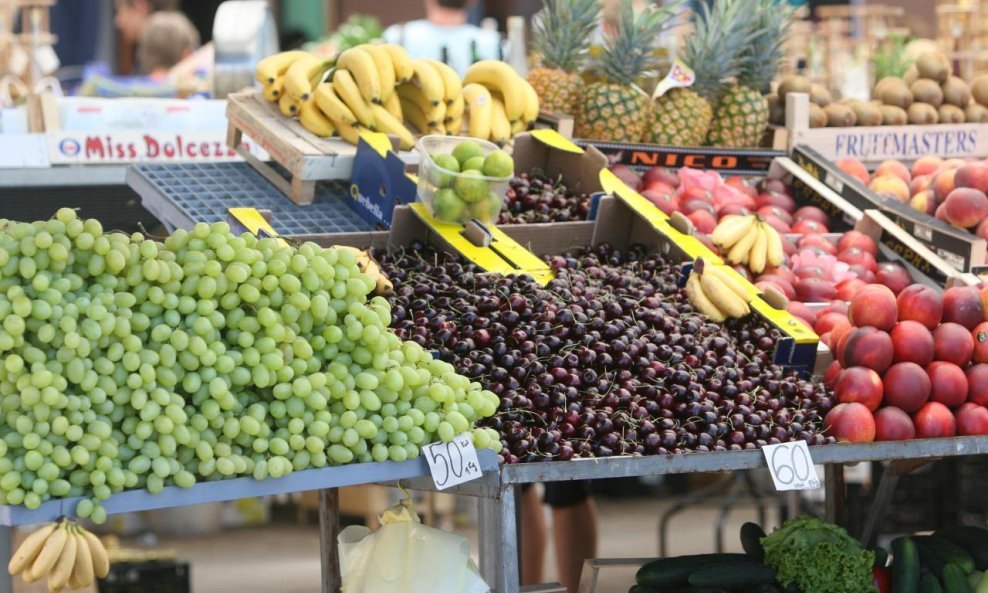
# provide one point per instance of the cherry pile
(535, 198)
(608, 359)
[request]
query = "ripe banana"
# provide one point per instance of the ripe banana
(428, 80)
(454, 127)
(700, 301)
(272, 67)
(385, 68)
(434, 112)
(273, 91)
(500, 126)
(362, 66)
(723, 297)
(101, 562)
(50, 552)
(388, 124)
(455, 109)
(479, 109)
(59, 576)
(759, 251)
(29, 550)
(314, 120)
(451, 80)
(348, 91)
(393, 105)
(740, 252)
(531, 101)
(518, 127)
(413, 114)
(402, 63)
(776, 254)
(348, 132)
(299, 76)
(723, 275)
(82, 573)
(499, 76)
(731, 228)
(332, 107)
(288, 105)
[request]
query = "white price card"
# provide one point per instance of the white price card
(791, 466)
(454, 462)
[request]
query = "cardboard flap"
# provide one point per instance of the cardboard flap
(557, 157)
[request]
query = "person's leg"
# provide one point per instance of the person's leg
(533, 537)
(574, 530)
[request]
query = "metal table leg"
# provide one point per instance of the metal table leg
(509, 577)
(6, 537)
(836, 511)
(329, 530)
(488, 544)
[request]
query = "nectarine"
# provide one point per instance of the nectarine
(962, 305)
(858, 384)
(934, 420)
(972, 420)
(852, 423)
(867, 347)
(874, 305)
(892, 424)
(854, 168)
(920, 303)
(907, 386)
(953, 343)
(912, 342)
(948, 383)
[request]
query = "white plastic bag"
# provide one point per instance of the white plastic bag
(404, 556)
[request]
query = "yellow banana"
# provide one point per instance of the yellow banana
(500, 126)
(273, 91)
(518, 127)
(101, 562)
(385, 68)
(451, 80)
(388, 124)
(59, 576)
(402, 63)
(361, 65)
(393, 105)
(331, 105)
(43, 564)
(28, 576)
(314, 120)
(721, 273)
(272, 67)
(479, 109)
(700, 302)
(531, 101)
(455, 109)
(82, 572)
(428, 80)
(413, 114)
(759, 251)
(455, 127)
(29, 549)
(434, 112)
(350, 133)
(298, 78)
(289, 105)
(499, 76)
(739, 251)
(723, 297)
(348, 91)
(731, 228)
(776, 255)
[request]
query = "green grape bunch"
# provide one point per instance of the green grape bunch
(130, 363)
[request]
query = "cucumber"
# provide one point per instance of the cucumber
(731, 574)
(972, 539)
(928, 558)
(949, 552)
(675, 572)
(929, 584)
(905, 566)
(954, 579)
(751, 540)
(974, 578)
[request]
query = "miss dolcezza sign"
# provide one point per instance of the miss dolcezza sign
(67, 148)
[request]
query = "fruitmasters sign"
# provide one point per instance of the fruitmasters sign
(874, 144)
(68, 148)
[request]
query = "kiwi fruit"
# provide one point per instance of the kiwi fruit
(933, 65)
(887, 81)
(950, 114)
(956, 92)
(793, 84)
(976, 113)
(927, 91)
(979, 89)
(818, 118)
(839, 116)
(893, 116)
(911, 75)
(897, 94)
(923, 114)
(776, 111)
(866, 114)
(820, 95)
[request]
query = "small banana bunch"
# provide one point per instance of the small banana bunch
(750, 241)
(499, 102)
(63, 552)
(715, 293)
(368, 265)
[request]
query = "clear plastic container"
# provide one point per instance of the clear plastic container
(456, 197)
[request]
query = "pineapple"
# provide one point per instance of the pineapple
(617, 109)
(682, 116)
(562, 38)
(742, 115)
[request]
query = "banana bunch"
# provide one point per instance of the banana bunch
(499, 102)
(64, 553)
(287, 78)
(750, 241)
(715, 293)
(368, 265)
(432, 100)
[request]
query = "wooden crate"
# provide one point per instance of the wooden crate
(306, 157)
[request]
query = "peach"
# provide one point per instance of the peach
(962, 304)
(874, 305)
(836, 307)
(664, 201)
(854, 168)
(815, 290)
(894, 276)
(809, 227)
(851, 422)
(924, 201)
(893, 167)
(934, 420)
(972, 420)
(980, 333)
(892, 424)
(920, 303)
(704, 221)
(866, 347)
(826, 322)
(891, 187)
(907, 386)
(769, 210)
(811, 213)
(830, 375)
(972, 175)
(912, 342)
(953, 343)
(926, 165)
(943, 184)
(817, 242)
(982, 230)
(983, 291)
(857, 239)
(850, 287)
(954, 163)
(857, 256)
(776, 199)
(948, 383)
(920, 184)
(940, 213)
(977, 384)
(965, 207)
(858, 384)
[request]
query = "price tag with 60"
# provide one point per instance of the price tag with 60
(791, 466)
(454, 462)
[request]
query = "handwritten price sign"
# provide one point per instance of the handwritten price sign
(454, 462)
(791, 466)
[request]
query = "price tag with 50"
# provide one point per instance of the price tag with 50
(791, 466)
(454, 462)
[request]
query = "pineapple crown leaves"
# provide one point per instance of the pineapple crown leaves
(628, 52)
(561, 34)
(765, 54)
(716, 49)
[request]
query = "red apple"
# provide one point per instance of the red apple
(661, 175)
(811, 213)
(742, 184)
(857, 239)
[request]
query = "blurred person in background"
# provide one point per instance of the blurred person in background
(167, 39)
(132, 16)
